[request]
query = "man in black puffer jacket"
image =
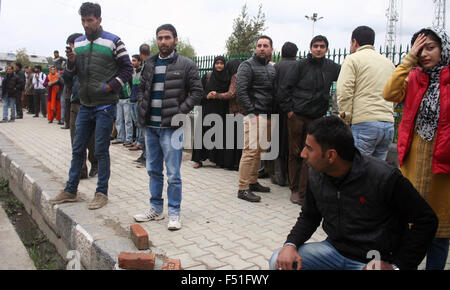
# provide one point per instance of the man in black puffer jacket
(255, 93)
(170, 85)
(304, 96)
(367, 207)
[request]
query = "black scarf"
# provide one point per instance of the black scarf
(219, 80)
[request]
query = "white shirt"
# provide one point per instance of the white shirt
(38, 81)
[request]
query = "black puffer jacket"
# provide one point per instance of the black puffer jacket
(21, 80)
(9, 85)
(255, 86)
(306, 89)
(369, 209)
(182, 89)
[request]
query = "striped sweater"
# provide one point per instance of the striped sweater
(101, 60)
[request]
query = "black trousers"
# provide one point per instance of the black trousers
(40, 100)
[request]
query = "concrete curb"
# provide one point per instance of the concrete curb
(33, 184)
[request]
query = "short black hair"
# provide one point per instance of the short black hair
(319, 38)
(364, 35)
(19, 65)
(89, 8)
(333, 133)
(137, 56)
(71, 39)
(429, 33)
(266, 37)
(38, 67)
(144, 49)
(56, 51)
(289, 49)
(168, 27)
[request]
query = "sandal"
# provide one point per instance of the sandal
(136, 148)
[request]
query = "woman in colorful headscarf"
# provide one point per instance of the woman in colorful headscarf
(422, 83)
(53, 98)
(214, 84)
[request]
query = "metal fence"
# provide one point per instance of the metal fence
(205, 63)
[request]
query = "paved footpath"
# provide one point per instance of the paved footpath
(219, 230)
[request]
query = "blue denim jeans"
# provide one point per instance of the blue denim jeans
(124, 122)
(9, 103)
(373, 138)
(437, 254)
(140, 133)
(321, 256)
(92, 121)
(164, 146)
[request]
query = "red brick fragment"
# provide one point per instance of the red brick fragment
(139, 237)
(136, 261)
(172, 264)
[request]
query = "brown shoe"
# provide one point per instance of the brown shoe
(295, 198)
(63, 197)
(99, 201)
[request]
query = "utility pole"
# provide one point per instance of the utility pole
(314, 18)
(439, 14)
(391, 26)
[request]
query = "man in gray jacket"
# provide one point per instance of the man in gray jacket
(255, 92)
(170, 85)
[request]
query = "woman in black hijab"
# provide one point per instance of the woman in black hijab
(214, 83)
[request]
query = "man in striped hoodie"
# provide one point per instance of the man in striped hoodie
(102, 65)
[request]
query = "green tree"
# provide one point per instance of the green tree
(184, 48)
(246, 31)
(22, 57)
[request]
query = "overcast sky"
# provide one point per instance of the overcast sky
(43, 26)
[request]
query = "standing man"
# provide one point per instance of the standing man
(20, 88)
(255, 92)
(59, 62)
(137, 65)
(144, 53)
(39, 97)
(29, 90)
(365, 206)
(360, 95)
(170, 85)
(102, 65)
(9, 94)
(289, 56)
(304, 97)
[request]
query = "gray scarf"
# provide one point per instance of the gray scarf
(428, 117)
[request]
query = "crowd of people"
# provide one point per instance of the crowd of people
(334, 165)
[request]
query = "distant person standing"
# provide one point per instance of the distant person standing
(20, 89)
(9, 93)
(102, 65)
(29, 90)
(305, 97)
(360, 87)
(255, 92)
(39, 97)
(170, 85)
(54, 94)
(58, 61)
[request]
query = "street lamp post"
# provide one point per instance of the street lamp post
(314, 18)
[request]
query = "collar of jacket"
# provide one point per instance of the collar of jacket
(314, 60)
(153, 58)
(96, 35)
(357, 170)
(262, 61)
(364, 47)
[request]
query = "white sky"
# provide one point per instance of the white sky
(43, 26)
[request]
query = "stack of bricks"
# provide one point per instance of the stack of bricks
(142, 261)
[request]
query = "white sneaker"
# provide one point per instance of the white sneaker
(174, 223)
(148, 215)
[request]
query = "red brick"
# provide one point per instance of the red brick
(139, 237)
(136, 261)
(172, 264)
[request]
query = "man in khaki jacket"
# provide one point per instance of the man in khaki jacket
(359, 94)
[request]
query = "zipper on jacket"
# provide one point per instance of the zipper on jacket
(89, 70)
